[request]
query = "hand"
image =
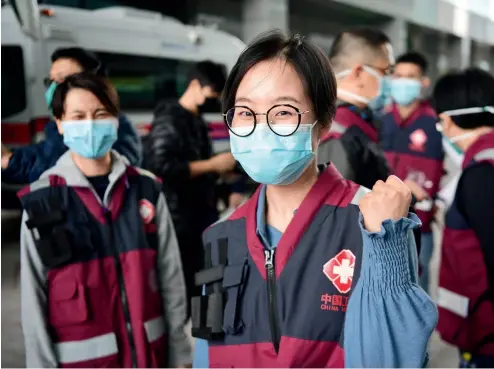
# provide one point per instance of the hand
(6, 155)
(419, 193)
(222, 163)
(389, 200)
(235, 200)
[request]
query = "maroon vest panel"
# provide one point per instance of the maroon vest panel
(104, 305)
(466, 314)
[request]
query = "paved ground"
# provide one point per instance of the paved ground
(442, 356)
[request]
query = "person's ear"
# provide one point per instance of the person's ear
(196, 84)
(356, 72)
(323, 131)
(59, 126)
(426, 82)
(319, 132)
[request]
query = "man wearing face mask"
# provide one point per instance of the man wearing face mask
(465, 103)
(362, 59)
(412, 144)
(26, 164)
(179, 151)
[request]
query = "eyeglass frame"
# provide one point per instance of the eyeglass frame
(254, 114)
(386, 72)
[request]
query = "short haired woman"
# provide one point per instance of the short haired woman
(101, 277)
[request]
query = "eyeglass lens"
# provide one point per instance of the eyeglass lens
(282, 120)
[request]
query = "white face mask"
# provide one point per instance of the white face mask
(352, 95)
(453, 152)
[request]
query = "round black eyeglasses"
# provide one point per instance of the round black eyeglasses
(283, 120)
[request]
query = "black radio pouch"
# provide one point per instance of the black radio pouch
(54, 241)
(218, 311)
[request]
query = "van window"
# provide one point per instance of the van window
(141, 81)
(13, 81)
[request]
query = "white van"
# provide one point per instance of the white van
(147, 56)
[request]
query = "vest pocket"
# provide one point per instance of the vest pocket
(156, 336)
(234, 280)
(67, 303)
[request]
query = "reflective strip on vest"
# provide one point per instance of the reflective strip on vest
(337, 128)
(485, 155)
(155, 328)
(362, 191)
(424, 205)
(453, 302)
(84, 350)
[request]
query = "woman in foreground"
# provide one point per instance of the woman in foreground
(310, 280)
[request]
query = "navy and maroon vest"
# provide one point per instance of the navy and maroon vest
(466, 313)
(413, 148)
(104, 304)
(356, 130)
(284, 308)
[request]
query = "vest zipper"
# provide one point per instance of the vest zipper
(123, 293)
(273, 311)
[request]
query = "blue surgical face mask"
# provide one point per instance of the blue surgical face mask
(271, 159)
(90, 138)
(405, 91)
(383, 93)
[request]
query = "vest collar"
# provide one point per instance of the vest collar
(66, 168)
(327, 182)
(483, 142)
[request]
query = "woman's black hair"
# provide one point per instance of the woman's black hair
(470, 88)
(309, 61)
(98, 86)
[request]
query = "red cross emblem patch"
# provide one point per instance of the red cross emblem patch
(146, 210)
(340, 270)
(418, 139)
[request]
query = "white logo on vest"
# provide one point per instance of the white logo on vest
(146, 210)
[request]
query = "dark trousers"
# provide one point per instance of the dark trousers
(192, 254)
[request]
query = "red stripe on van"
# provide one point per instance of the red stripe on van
(22, 133)
(218, 131)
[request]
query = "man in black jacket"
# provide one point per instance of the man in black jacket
(178, 150)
